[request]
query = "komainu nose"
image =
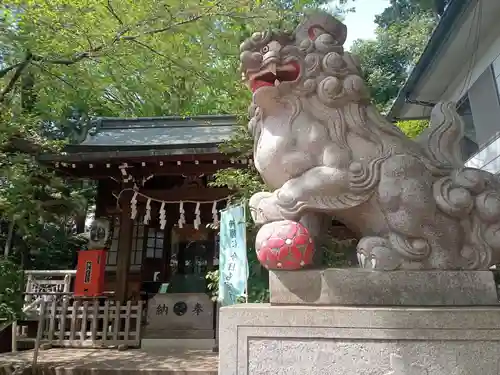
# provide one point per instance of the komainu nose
(271, 56)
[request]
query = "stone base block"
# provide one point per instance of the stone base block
(361, 287)
(259, 339)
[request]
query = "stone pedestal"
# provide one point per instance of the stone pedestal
(258, 339)
(334, 327)
(356, 287)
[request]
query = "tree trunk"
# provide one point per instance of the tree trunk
(80, 222)
(28, 96)
(8, 242)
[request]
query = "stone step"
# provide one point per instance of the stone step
(178, 333)
(177, 344)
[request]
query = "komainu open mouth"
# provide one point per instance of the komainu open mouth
(273, 77)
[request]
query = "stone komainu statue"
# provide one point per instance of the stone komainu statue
(326, 152)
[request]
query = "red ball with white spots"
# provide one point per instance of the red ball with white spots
(285, 245)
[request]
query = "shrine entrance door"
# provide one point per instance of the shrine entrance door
(154, 263)
(191, 257)
(183, 307)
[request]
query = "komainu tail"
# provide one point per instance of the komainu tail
(441, 141)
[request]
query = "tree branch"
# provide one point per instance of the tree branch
(55, 75)
(15, 77)
(3, 72)
(163, 29)
(113, 13)
(182, 66)
(76, 58)
(170, 27)
(120, 36)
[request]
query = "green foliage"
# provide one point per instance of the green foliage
(387, 60)
(32, 196)
(412, 128)
(244, 182)
(10, 290)
(336, 253)
(55, 247)
(404, 10)
(213, 283)
(136, 57)
(258, 280)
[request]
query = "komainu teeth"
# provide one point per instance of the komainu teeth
(276, 83)
(362, 259)
(272, 68)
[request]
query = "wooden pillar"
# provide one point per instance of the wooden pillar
(101, 199)
(167, 251)
(124, 252)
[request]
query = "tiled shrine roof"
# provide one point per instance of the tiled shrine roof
(151, 136)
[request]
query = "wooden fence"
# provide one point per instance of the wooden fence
(89, 324)
(43, 284)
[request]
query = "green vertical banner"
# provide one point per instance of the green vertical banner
(233, 262)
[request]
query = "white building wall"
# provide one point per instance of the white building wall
(488, 51)
(496, 67)
(488, 158)
(485, 106)
(483, 93)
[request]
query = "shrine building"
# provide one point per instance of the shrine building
(152, 185)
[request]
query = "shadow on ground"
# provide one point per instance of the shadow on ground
(108, 361)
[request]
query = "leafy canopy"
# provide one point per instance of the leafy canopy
(65, 61)
(403, 30)
(134, 58)
(387, 60)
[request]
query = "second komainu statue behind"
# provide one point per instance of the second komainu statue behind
(327, 153)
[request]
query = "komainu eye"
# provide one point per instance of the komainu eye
(265, 49)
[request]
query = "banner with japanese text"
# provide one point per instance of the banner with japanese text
(233, 262)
